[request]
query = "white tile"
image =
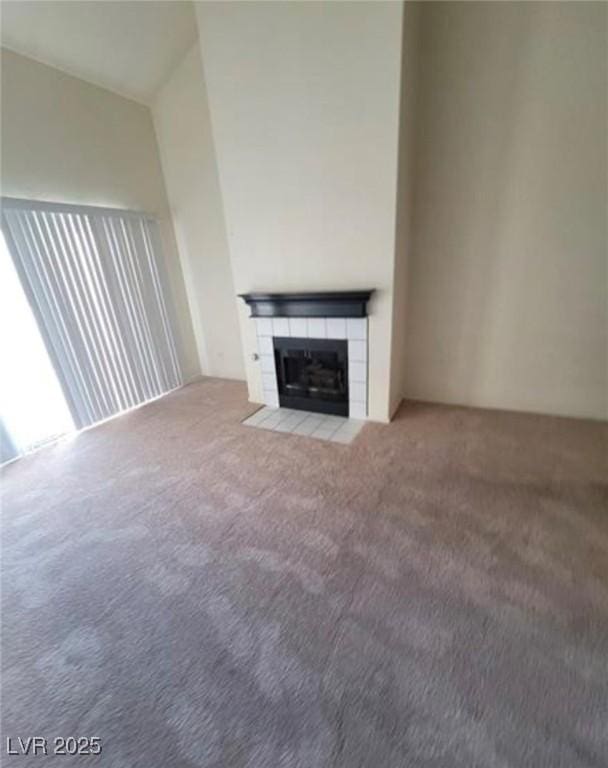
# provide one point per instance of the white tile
(257, 417)
(269, 381)
(357, 351)
(317, 328)
(267, 364)
(325, 430)
(356, 327)
(263, 326)
(269, 411)
(301, 415)
(269, 384)
(272, 422)
(290, 423)
(271, 398)
(352, 425)
(357, 392)
(265, 345)
(305, 423)
(357, 410)
(280, 326)
(337, 421)
(347, 432)
(283, 426)
(308, 426)
(298, 327)
(336, 327)
(357, 371)
(323, 433)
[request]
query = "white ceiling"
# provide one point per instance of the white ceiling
(128, 46)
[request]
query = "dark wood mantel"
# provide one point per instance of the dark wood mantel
(313, 304)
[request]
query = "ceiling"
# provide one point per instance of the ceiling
(127, 46)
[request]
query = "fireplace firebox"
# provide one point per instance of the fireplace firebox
(312, 374)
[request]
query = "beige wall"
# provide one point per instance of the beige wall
(183, 130)
(405, 185)
(508, 281)
(304, 101)
(65, 140)
(491, 279)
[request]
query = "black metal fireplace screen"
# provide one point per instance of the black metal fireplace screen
(312, 374)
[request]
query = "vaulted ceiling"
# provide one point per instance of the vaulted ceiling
(126, 46)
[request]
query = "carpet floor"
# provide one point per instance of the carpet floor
(195, 592)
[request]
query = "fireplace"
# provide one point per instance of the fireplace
(312, 350)
(312, 374)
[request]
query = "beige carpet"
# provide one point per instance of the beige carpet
(199, 593)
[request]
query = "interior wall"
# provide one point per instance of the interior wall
(405, 185)
(64, 140)
(304, 101)
(507, 303)
(183, 130)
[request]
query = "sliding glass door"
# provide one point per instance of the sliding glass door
(33, 409)
(95, 285)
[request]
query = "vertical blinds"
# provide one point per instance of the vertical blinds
(94, 279)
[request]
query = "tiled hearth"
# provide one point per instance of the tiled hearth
(337, 429)
(353, 329)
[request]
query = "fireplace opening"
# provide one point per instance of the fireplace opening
(312, 374)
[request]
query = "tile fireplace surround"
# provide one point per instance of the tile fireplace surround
(330, 315)
(353, 329)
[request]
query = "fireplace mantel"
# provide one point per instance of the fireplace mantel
(317, 304)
